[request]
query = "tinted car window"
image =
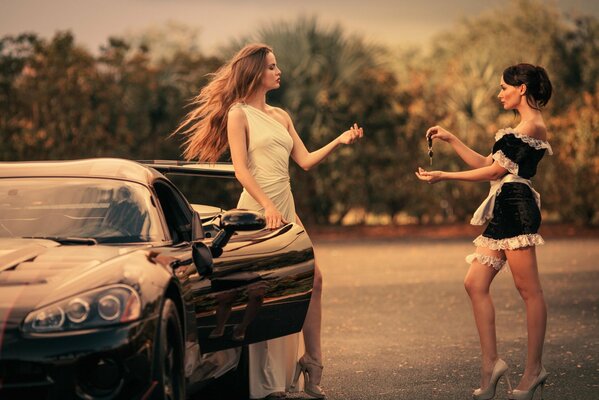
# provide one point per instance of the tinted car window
(176, 212)
(109, 211)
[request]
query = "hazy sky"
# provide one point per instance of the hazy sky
(386, 21)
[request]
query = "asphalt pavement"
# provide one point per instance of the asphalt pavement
(397, 322)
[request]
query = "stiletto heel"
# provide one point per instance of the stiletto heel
(296, 375)
(499, 369)
(542, 388)
(312, 373)
(529, 394)
(509, 384)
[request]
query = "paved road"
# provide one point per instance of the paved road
(398, 325)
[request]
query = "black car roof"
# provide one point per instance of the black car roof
(93, 168)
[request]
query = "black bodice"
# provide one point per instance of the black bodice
(519, 154)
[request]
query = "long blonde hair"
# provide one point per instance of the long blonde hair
(206, 125)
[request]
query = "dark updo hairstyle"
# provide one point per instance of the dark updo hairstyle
(538, 85)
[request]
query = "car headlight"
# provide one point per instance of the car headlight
(99, 307)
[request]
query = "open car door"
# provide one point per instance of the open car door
(260, 282)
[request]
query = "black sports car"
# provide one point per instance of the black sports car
(113, 286)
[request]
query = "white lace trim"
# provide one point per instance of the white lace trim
(494, 262)
(512, 243)
(532, 142)
(505, 162)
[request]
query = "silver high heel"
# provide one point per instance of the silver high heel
(312, 373)
(499, 369)
(528, 394)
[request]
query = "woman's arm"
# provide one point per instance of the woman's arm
(489, 173)
(306, 159)
(470, 157)
(236, 134)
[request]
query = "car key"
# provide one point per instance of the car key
(429, 140)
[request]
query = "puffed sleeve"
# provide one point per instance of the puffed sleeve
(509, 152)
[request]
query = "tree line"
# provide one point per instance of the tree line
(60, 101)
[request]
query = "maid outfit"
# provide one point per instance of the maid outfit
(513, 207)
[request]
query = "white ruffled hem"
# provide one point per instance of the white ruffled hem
(505, 162)
(494, 262)
(512, 243)
(532, 142)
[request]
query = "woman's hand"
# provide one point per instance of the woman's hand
(351, 135)
(429, 176)
(436, 132)
(274, 218)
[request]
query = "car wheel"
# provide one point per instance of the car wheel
(168, 361)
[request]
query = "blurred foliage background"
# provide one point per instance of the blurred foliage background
(60, 101)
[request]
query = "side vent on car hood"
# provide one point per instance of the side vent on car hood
(9, 258)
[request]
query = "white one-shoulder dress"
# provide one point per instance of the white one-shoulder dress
(272, 362)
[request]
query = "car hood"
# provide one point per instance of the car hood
(36, 272)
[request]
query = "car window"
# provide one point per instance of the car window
(110, 211)
(176, 211)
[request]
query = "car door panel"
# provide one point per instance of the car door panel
(259, 289)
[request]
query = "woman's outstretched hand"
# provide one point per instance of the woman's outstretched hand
(429, 176)
(274, 218)
(351, 135)
(436, 132)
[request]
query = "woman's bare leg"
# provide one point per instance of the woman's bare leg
(313, 322)
(523, 264)
(477, 283)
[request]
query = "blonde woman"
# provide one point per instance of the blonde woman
(232, 111)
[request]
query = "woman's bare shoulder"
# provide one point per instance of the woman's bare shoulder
(534, 129)
(281, 115)
(279, 111)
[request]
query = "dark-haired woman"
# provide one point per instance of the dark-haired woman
(513, 211)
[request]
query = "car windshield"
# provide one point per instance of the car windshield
(69, 209)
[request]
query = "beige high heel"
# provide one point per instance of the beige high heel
(529, 394)
(312, 374)
(499, 369)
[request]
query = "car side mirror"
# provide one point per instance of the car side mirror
(202, 258)
(233, 221)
